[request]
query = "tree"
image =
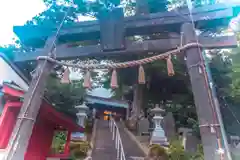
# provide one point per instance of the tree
(229, 99)
(65, 96)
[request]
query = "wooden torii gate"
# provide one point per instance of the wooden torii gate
(112, 30)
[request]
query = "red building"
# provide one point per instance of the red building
(48, 121)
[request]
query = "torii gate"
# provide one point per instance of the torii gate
(111, 30)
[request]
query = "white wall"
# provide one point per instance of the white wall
(8, 74)
(2, 152)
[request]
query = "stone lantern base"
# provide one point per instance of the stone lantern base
(158, 137)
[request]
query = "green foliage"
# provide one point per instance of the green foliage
(235, 75)
(230, 100)
(65, 96)
(157, 152)
(79, 149)
(58, 143)
(196, 3)
(199, 154)
(175, 151)
(8, 50)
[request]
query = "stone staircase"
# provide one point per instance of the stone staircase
(132, 151)
(104, 148)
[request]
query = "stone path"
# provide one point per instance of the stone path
(132, 151)
(104, 145)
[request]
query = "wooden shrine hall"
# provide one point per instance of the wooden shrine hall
(106, 106)
(48, 121)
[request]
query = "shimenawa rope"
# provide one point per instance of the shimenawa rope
(126, 64)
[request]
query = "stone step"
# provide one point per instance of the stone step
(132, 151)
(104, 148)
(137, 158)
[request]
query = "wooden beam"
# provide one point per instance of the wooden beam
(160, 45)
(140, 24)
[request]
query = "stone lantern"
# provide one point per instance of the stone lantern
(158, 134)
(82, 113)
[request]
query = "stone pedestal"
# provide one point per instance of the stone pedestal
(82, 114)
(158, 134)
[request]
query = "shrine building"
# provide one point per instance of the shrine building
(13, 86)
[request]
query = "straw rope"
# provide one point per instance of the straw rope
(126, 64)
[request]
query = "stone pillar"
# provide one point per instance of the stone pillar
(184, 132)
(27, 117)
(158, 134)
(205, 102)
(82, 114)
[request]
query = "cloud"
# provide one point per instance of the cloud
(14, 12)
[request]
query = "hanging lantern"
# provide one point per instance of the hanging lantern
(141, 75)
(114, 81)
(65, 77)
(87, 80)
(170, 66)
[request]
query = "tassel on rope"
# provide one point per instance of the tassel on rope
(141, 75)
(65, 78)
(87, 80)
(114, 81)
(170, 66)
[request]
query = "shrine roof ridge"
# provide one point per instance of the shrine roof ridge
(134, 25)
(107, 101)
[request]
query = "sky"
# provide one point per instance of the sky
(17, 12)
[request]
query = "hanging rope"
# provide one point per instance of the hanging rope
(127, 64)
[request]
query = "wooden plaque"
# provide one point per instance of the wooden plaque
(112, 30)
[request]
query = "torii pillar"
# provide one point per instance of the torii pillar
(208, 120)
(22, 132)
